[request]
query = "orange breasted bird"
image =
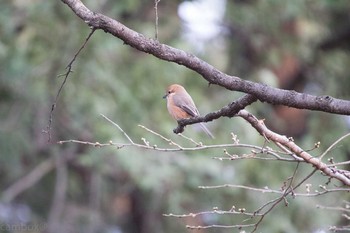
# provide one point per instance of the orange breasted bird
(181, 106)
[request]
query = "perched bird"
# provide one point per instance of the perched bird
(180, 105)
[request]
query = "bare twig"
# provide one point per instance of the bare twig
(259, 150)
(215, 211)
(289, 147)
(294, 148)
(171, 142)
(268, 190)
(121, 130)
(346, 215)
(191, 140)
(198, 146)
(339, 164)
(288, 151)
(66, 75)
(286, 192)
(156, 23)
(335, 143)
(239, 226)
(338, 208)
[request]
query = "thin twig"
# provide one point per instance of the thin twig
(156, 23)
(219, 226)
(288, 151)
(215, 211)
(333, 208)
(287, 191)
(191, 140)
(268, 190)
(339, 164)
(294, 148)
(198, 145)
(66, 75)
(121, 130)
(165, 149)
(335, 143)
(171, 142)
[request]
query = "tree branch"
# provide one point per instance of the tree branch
(296, 152)
(30, 179)
(259, 125)
(69, 70)
(228, 111)
(261, 91)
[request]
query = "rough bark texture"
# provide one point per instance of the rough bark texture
(262, 92)
(341, 175)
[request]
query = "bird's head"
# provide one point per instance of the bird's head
(174, 88)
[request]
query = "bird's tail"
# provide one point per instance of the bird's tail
(206, 130)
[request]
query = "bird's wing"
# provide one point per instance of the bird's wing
(186, 104)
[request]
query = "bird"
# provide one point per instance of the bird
(181, 106)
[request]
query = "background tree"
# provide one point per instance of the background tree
(284, 44)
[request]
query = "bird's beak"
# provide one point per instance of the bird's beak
(166, 95)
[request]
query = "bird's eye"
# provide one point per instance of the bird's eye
(169, 92)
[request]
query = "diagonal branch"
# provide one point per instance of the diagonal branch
(259, 125)
(229, 110)
(66, 75)
(262, 92)
(30, 179)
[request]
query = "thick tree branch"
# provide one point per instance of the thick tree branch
(228, 111)
(262, 92)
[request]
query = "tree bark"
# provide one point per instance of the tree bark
(261, 91)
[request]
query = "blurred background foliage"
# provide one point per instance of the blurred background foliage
(300, 45)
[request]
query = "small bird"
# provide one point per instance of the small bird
(180, 105)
